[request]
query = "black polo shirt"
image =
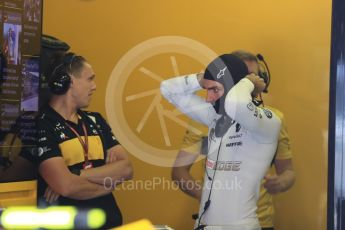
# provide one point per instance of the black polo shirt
(56, 139)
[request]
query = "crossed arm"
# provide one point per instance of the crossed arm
(90, 183)
(117, 167)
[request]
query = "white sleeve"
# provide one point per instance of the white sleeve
(180, 92)
(261, 121)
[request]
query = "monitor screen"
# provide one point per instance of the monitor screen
(20, 29)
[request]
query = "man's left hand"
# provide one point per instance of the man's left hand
(274, 184)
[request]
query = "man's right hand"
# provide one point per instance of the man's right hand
(259, 84)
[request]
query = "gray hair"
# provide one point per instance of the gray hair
(245, 55)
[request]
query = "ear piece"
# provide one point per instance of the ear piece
(264, 71)
(60, 79)
(264, 76)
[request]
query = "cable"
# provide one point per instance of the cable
(265, 75)
(208, 202)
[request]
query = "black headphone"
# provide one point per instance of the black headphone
(60, 79)
(264, 71)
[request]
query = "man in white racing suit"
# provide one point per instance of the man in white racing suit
(242, 139)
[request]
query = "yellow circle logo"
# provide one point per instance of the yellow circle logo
(144, 123)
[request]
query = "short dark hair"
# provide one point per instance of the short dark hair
(73, 63)
(70, 63)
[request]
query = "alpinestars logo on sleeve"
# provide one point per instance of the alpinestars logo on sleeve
(221, 73)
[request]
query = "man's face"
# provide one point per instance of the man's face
(214, 90)
(83, 86)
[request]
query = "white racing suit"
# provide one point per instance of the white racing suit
(244, 153)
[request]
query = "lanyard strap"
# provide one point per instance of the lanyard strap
(84, 143)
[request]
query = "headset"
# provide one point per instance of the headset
(60, 79)
(264, 71)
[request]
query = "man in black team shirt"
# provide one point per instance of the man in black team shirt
(77, 151)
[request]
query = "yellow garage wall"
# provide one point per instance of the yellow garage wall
(294, 37)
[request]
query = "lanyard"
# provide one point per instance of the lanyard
(84, 143)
